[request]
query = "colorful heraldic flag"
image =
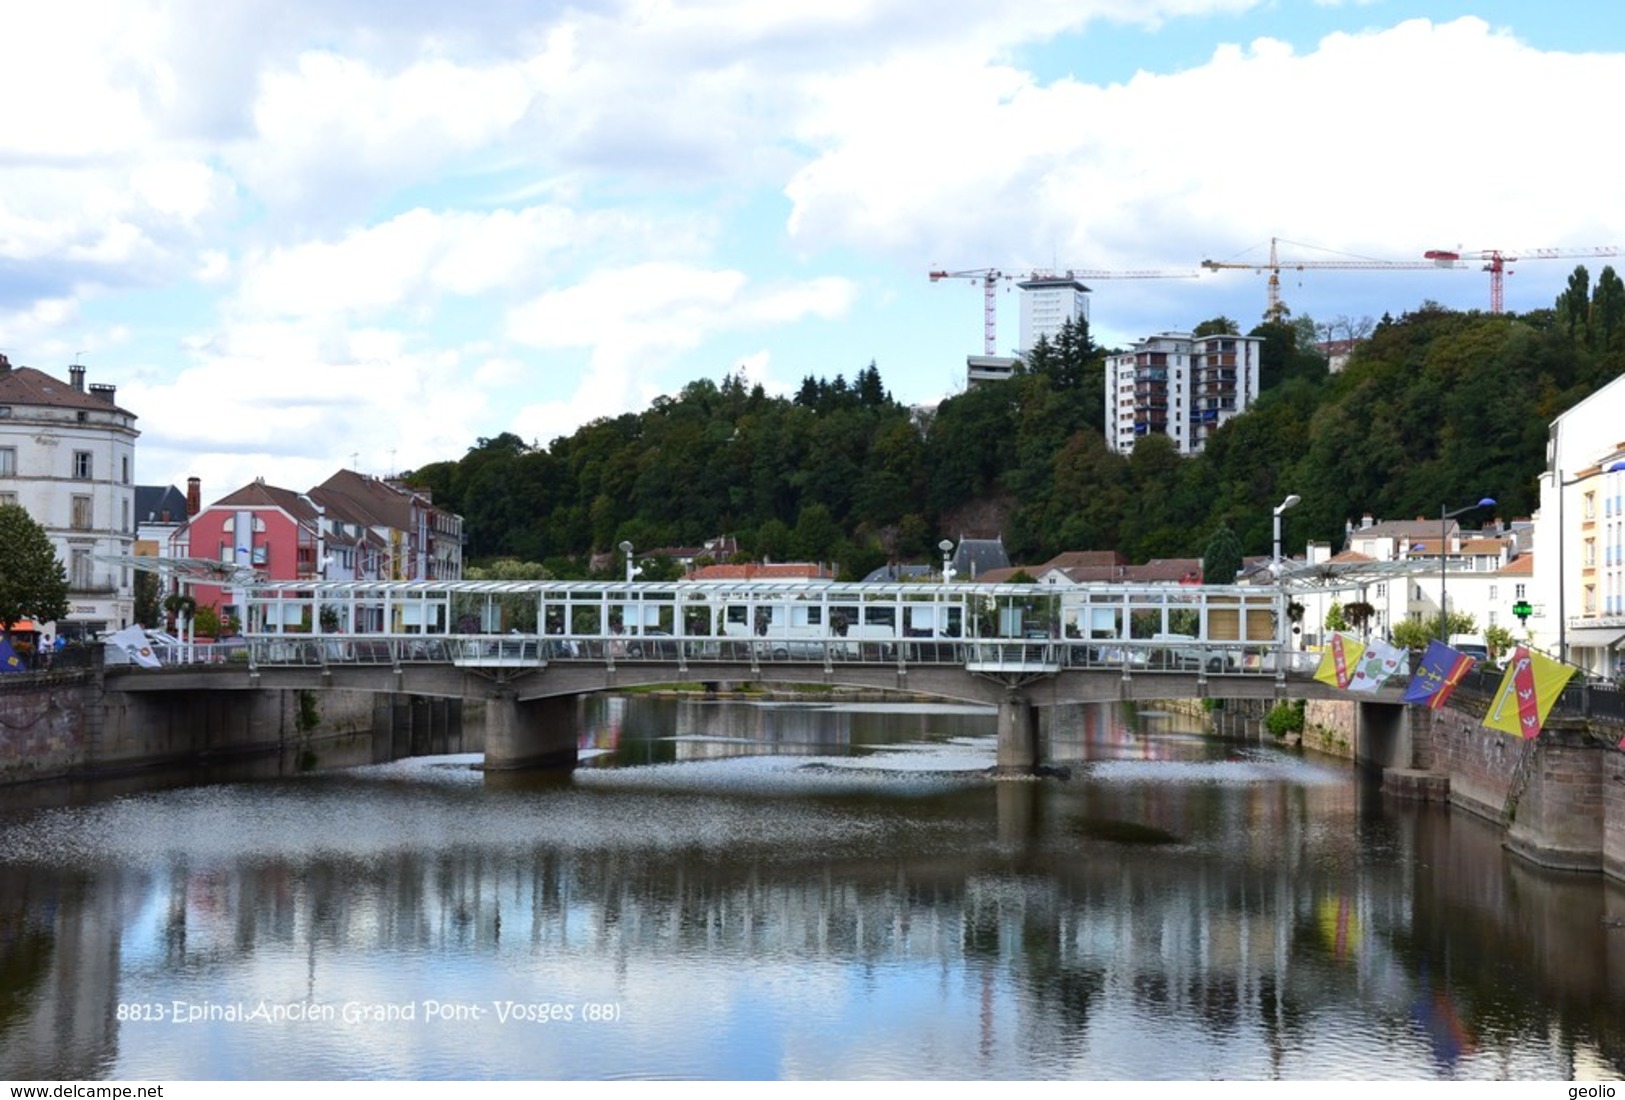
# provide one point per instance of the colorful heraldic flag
(1440, 670)
(1339, 660)
(9, 661)
(1379, 661)
(1527, 692)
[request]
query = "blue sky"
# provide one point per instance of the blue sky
(299, 236)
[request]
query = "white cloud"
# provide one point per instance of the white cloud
(360, 234)
(1378, 140)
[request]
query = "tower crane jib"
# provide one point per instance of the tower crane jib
(991, 277)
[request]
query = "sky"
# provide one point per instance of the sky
(306, 235)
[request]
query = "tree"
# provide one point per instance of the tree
(1221, 561)
(33, 584)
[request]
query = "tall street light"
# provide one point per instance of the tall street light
(1444, 535)
(1280, 592)
(626, 548)
(1275, 558)
(947, 548)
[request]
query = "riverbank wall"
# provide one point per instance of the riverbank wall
(67, 725)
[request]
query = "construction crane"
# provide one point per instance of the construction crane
(991, 277)
(1274, 310)
(1495, 262)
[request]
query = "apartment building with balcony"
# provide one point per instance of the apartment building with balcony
(1181, 386)
(67, 456)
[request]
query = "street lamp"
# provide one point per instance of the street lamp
(1280, 593)
(1444, 529)
(1275, 558)
(947, 548)
(626, 548)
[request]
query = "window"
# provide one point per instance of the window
(82, 514)
(8, 462)
(81, 465)
(125, 470)
(1493, 594)
(79, 569)
(1517, 591)
(1382, 591)
(125, 512)
(7, 498)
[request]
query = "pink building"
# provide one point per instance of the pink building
(273, 531)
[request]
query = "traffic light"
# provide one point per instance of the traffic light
(1522, 610)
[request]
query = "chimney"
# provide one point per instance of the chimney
(1365, 521)
(5, 364)
(194, 496)
(103, 391)
(76, 374)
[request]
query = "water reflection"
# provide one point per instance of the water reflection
(755, 891)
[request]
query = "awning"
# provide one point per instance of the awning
(24, 626)
(1600, 637)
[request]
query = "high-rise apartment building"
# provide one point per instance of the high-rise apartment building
(1047, 304)
(1179, 385)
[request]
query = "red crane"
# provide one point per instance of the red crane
(1495, 262)
(1275, 309)
(991, 277)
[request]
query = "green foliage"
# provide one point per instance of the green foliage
(1413, 633)
(1433, 405)
(1221, 560)
(1335, 619)
(1285, 718)
(146, 597)
(508, 569)
(1498, 640)
(1358, 613)
(33, 584)
(206, 623)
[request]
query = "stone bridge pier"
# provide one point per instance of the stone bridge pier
(1018, 735)
(530, 733)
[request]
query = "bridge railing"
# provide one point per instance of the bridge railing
(982, 654)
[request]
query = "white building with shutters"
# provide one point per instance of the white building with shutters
(67, 456)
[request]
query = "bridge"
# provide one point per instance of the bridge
(524, 647)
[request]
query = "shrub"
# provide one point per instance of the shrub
(1285, 718)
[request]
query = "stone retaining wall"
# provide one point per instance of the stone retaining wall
(65, 725)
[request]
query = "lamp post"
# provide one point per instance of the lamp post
(947, 548)
(1275, 558)
(1280, 592)
(626, 548)
(1444, 535)
(1562, 580)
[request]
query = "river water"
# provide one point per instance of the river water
(736, 890)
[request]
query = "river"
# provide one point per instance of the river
(782, 890)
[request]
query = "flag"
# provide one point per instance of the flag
(1379, 661)
(1338, 661)
(1528, 690)
(1437, 675)
(133, 640)
(9, 661)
